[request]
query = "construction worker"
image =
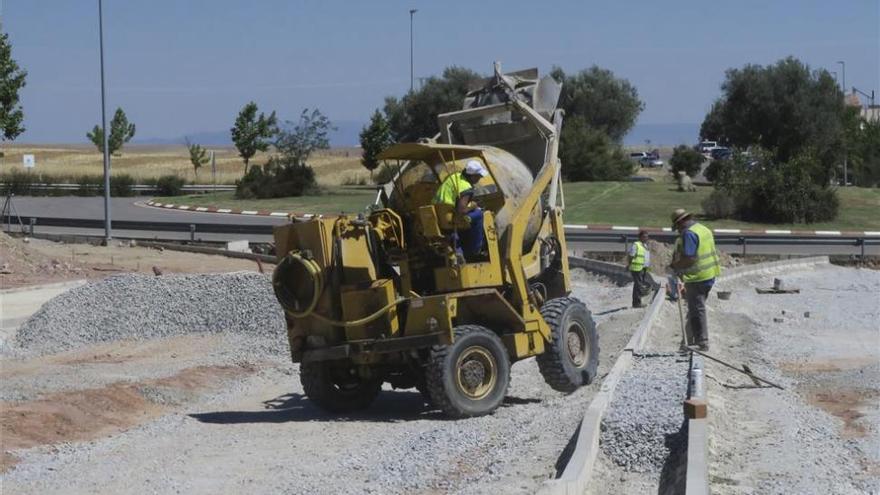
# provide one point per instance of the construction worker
(695, 261)
(638, 259)
(457, 189)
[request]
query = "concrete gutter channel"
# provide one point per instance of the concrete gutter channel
(578, 472)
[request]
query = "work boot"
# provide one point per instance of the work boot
(703, 346)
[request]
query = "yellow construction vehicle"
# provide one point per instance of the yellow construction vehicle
(386, 295)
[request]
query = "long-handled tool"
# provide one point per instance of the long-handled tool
(746, 371)
(684, 340)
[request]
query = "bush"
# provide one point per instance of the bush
(169, 185)
(19, 182)
(714, 170)
(121, 185)
(687, 159)
(279, 177)
(588, 154)
(354, 180)
(89, 185)
(719, 204)
(775, 192)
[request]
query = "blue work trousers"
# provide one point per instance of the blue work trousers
(470, 241)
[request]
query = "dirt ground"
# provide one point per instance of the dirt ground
(37, 261)
(208, 414)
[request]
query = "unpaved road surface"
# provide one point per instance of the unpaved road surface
(223, 412)
(822, 433)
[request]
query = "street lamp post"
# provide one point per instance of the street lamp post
(843, 76)
(107, 234)
(411, 73)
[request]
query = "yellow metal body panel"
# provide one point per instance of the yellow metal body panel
(431, 314)
(358, 302)
(467, 276)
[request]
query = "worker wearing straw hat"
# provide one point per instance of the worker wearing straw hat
(695, 261)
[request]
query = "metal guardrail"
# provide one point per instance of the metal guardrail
(140, 188)
(571, 236)
(743, 240)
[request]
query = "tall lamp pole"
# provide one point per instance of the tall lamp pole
(107, 234)
(411, 73)
(843, 76)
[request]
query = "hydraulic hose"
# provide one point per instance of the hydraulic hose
(279, 281)
(359, 321)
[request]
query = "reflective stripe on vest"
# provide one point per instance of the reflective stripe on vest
(707, 265)
(638, 261)
(451, 188)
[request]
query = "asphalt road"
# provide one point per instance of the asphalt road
(126, 209)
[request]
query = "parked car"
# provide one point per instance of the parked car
(651, 161)
(638, 156)
(721, 153)
(707, 146)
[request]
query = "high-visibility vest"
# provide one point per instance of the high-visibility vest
(451, 188)
(707, 265)
(637, 263)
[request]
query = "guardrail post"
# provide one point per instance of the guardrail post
(742, 240)
(625, 240)
(861, 243)
(192, 232)
(31, 223)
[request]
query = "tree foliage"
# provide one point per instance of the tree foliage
(785, 108)
(12, 79)
(605, 102)
(374, 139)
(287, 173)
(415, 115)
(252, 133)
(864, 154)
(588, 154)
(198, 156)
(121, 132)
(764, 189)
(684, 158)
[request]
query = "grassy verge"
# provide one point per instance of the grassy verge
(617, 203)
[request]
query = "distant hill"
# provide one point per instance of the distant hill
(346, 135)
(662, 134)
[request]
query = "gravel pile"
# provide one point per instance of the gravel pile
(642, 425)
(141, 307)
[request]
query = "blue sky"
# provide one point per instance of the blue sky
(181, 67)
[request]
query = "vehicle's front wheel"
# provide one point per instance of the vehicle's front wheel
(469, 377)
(571, 359)
(335, 389)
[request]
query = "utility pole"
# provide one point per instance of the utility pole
(843, 88)
(107, 233)
(411, 73)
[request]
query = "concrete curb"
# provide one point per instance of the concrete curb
(742, 271)
(577, 473)
(574, 227)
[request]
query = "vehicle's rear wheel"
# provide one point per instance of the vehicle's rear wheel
(469, 377)
(571, 359)
(335, 389)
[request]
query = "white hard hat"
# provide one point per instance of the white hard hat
(475, 167)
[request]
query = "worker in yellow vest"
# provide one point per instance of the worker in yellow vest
(457, 189)
(696, 263)
(638, 260)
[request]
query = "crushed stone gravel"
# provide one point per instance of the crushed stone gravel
(142, 307)
(643, 424)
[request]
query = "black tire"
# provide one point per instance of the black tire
(470, 377)
(331, 389)
(571, 358)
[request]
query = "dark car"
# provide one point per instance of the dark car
(721, 153)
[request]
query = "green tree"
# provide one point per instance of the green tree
(786, 108)
(605, 102)
(12, 79)
(864, 154)
(251, 133)
(687, 159)
(121, 132)
(374, 139)
(287, 173)
(588, 154)
(198, 156)
(415, 115)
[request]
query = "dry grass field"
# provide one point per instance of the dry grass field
(332, 167)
